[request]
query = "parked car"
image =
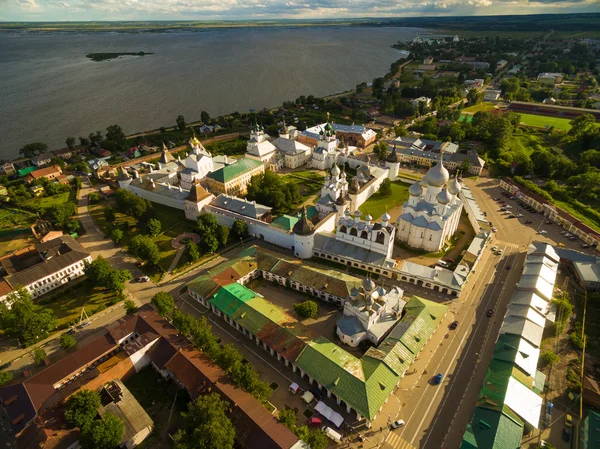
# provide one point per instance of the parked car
(442, 263)
(495, 248)
(490, 312)
(143, 279)
(398, 423)
(499, 252)
(453, 325)
(512, 216)
(585, 245)
(314, 422)
(568, 420)
(494, 230)
(437, 379)
(566, 435)
(542, 232)
(561, 245)
(528, 221)
(508, 267)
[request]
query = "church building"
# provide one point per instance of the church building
(432, 212)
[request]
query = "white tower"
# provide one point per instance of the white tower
(393, 163)
(124, 179)
(304, 238)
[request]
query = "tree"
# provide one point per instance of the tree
(105, 433)
(115, 134)
(73, 226)
(204, 117)
(180, 122)
(94, 197)
(116, 280)
(38, 355)
(130, 307)
(404, 109)
(153, 226)
(206, 426)
(31, 149)
(222, 235)
(307, 309)
(67, 341)
(207, 223)
(164, 303)
(239, 229)
(81, 408)
(25, 320)
(381, 151)
(145, 249)
(5, 377)
(271, 190)
(60, 213)
(385, 189)
(83, 141)
(228, 357)
(318, 440)
(192, 251)
(98, 271)
(70, 142)
(131, 204)
(95, 138)
(109, 215)
(287, 417)
(117, 236)
(209, 243)
(400, 131)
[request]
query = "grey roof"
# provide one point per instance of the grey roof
(467, 197)
(537, 284)
(575, 256)
(328, 243)
(476, 246)
(420, 221)
(587, 271)
(535, 259)
(247, 208)
(543, 249)
(541, 270)
(159, 188)
(517, 325)
(527, 312)
(291, 147)
(453, 279)
(434, 225)
(532, 300)
(43, 260)
(351, 326)
(42, 157)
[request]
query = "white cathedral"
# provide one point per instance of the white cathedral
(432, 212)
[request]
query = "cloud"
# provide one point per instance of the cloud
(240, 9)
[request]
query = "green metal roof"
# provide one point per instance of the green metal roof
(230, 298)
(231, 171)
(490, 429)
(420, 321)
(590, 431)
(394, 354)
(26, 170)
(285, 222)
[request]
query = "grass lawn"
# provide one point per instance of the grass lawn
(480, 107)
(12, 218)
(46, 202)
(308, 182)
(66, 302)
(378, 204)
(527, 143)
(584, 218)
(14, 242)
(468, 118)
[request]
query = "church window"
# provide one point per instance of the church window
(380, 237)
(430, 238)
(364, 235)
(343, 229)
(353, 232)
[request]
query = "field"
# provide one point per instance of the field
(46, 202)
(309, 182)
(67, 302)
(378, 204)
(480, 107)
(542, 121)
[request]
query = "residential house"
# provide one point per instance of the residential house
(7, 168)
(42, 159)
(36, 191)
(50, 173)
(64, 153)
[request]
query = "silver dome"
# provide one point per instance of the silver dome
(443, 197)
(369, 285)
(454, 187)
(335, 171)
(386, 217)
(368, 217)
(357, 213)
(437, 176)
(415, 189)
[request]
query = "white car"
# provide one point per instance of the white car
(398, 423)
(499, 252)
(494, 230)
(543, 232)
(442, 263)
(495, 248)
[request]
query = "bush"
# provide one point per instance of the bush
(5, 377)
(287, 417)
(307, 309)
(100, 308)
(550, 358)
(38, 355)
(81, 408)
(94, 198)
(576, 340)
(67, 341)
(130, 307)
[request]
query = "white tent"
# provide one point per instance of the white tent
(308, 397)
(294, 387)
(328, 413)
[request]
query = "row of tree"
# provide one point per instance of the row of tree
(272, 190)
(227, 357)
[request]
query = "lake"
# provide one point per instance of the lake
(49, 90)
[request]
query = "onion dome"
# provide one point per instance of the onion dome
(386, 217)
(437, 176)
(369, 285)
(444, 197)
(454, 186)
(340, 201)
(335, 171)
(347, 212)
(423, 181)
(354, 292)
(303, 226)
(343, 174)
(355, 186)
(357, 214)
(368, 218)
(415, 189)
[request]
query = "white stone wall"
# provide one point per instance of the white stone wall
(156, 198)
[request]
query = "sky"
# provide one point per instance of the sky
(73, 10)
